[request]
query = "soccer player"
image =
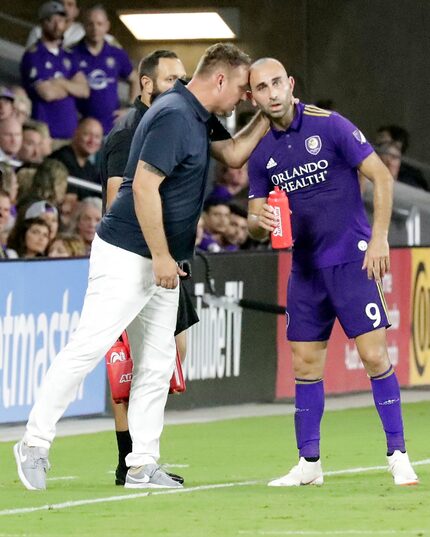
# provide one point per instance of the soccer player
(133, 266)
(338, 260)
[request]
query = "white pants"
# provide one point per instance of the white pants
(121, 292)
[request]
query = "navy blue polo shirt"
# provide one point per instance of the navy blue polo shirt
(173, 136)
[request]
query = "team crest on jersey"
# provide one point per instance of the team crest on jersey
(110, 62)
(359, 136)
(313, 145)
(67, 63)
(83, 63)
(48, 65)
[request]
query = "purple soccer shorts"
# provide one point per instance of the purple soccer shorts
(317, 297)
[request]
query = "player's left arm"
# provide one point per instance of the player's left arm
(235, 151)
(377, 257)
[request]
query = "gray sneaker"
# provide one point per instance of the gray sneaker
(150, 476)
(32, 463)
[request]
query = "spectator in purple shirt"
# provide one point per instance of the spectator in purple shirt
(51, 76)
(104, 64)
(216, 217)
(338, 259)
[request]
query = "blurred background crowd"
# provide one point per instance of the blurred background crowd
(52, 128)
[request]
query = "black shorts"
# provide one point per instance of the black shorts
(187, 315)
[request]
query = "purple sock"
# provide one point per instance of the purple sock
(386, 394)
(308, 415)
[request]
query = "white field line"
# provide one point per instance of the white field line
(334, 532)
(107, 499)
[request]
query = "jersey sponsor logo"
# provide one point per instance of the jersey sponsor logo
(303, 176)
(313, 144)
(271, 164)
(359, 136)
(98, 80)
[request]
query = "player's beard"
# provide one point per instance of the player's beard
(155, 92)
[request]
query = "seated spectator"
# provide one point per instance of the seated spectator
(25, 175)
(410, 175)
(67, 246)
(104, 64)
(236, 233)
(74, 31)
(10, 138)
(22, 108)
(86, 141)
(51, 76)
(88, 216)
(216, 217)
(230, 183)
(391, 156)
(49, 183)
(30, 238)
(6, 103)
(31, 147)
(5, 205)
(47, 141)
(68, 212)
(9, 183)
(47, 212)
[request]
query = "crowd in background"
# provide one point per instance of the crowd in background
(52, 128)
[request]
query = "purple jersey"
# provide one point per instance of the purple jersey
(315, 161)
(103, 72)
(40, 64)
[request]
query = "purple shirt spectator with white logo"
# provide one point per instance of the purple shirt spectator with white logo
(40, 64)
(103, 72)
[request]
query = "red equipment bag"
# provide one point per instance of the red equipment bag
(120, 371)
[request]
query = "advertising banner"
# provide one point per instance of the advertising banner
(40, 304)
(231, 355)
(420, 326)
(344, 371)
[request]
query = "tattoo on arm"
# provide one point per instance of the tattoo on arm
(153, 170)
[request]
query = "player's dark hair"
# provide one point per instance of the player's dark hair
(225, 54)
(398, 134)
(213, 201)
(149, 64)
(96, 7)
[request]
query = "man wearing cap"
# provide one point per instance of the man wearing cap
(74, 30)
(6, 103)
(51, 75)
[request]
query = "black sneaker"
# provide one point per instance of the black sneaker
(121, 472)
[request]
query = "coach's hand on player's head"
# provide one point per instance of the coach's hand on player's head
(166, 271)
(377, 258)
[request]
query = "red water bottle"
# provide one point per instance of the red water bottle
(281, 236)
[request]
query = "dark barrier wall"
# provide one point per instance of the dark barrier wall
(232, 351)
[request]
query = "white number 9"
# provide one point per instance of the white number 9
(372, 311)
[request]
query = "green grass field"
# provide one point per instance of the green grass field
(229, 452)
